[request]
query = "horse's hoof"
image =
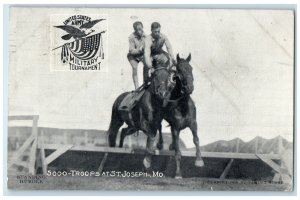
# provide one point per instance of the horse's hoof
(159, 146)
(199, 163)
(178, 177)
(171, 147)
(147, 163)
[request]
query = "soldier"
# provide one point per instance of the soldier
(136, 51)
(154, 53)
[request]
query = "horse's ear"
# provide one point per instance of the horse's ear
(188, 59)
(177, 58)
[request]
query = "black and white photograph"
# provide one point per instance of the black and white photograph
(150, 99)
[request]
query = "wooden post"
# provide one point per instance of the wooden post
(61, 150)
(226, 170)
(282, 173)
(42, 154)
(269, 162)
(30, 143)
(229, 164)
(32, 155)
(20, 151)
(100, 169)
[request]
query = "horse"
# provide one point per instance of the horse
(146, 115)
(180, 112)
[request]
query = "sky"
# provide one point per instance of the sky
(242, 62)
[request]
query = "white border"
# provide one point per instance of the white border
(184, 3)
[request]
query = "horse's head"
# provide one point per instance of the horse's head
(162, 83)
(185, 74)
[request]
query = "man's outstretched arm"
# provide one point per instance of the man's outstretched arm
(169, 49)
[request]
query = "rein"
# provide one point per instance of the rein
(160, 68)
(180, 97)
(175, 100)
(169, 100)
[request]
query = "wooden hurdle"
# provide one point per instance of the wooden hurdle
(229, 164)
(30, 143)
(36, 144)
(280, 174)
(60, 149)
(266, 158)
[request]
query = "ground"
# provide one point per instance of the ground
(148, 184)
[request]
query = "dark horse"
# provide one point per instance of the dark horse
(147, 113)
(180, 111)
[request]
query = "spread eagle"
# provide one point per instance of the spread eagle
(80, 32)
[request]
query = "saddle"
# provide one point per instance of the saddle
(132, 98)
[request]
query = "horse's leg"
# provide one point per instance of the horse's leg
(147, 108)
(151, 133)
(199, 161)
(149, 151)
(160, 143)
(172, 145)
(176, 132)
(113, 132)
(115, 123)
(148, 126)
(124, 133)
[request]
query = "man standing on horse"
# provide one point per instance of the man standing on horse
(154, 54)
(136, 51)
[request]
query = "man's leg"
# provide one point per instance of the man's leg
(134, 65)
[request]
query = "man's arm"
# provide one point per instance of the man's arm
(169, 49)
(132, 50)
(147, 52)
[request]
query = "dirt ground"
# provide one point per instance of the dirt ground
(146, 184)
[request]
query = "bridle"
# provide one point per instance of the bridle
(155, 87)
(182, 93)
(171, 83)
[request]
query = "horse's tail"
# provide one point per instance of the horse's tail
(116, 121)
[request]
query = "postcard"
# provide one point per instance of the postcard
(144, 99)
